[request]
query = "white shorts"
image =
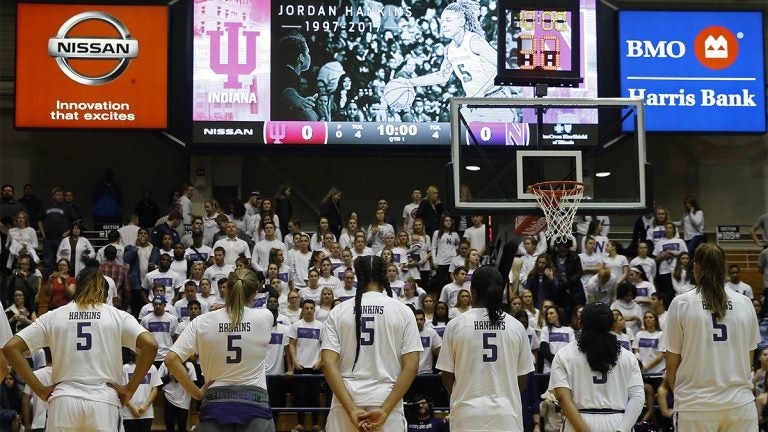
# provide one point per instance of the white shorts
(74, 414)
(739, 419)
(598, 422)
(338, 421)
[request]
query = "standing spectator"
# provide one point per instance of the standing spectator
(164, 276)
(568, 271)
(330, 208)
(138, 413)
(476, 234)
(177, 399)
(666, 252)
(9, 208)
(35, 410)
(31, 203)
(129, 231)
(76, 249)
(69, 198)
(141, 258)
(233, 246)
(283, 206)
(378, 230)
(383, 204)
(692, 224)
(116, 270)
(170, 227)
(107, 202)
(113, 236)
(430, 209)
(18, 314)
(211, 227)
(55, 221)
(409, 211)
(22, 240)
(304, 348)
(61, 286)
(186, 203)
(445, 243)
(762, 267)
(761, 224)
(162, 326)
(718, 325)
(147, 210)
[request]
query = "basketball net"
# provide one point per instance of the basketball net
(559, 200)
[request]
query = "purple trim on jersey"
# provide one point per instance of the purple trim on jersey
(648, 343)
(276, 339)
(440, 331)
(625, 344)
(159, 327)
(308, 333)
(559, 337)
(146, 380)
(229, 412)
(283, 277)
(183, 312)
(670, 247)
(642, 292)
(163, 280)
(425, 341)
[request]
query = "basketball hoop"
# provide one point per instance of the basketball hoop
(559, 200)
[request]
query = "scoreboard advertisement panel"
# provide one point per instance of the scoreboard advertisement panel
(372, 72)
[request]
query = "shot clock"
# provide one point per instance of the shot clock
(541, 44)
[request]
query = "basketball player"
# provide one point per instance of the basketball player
(597, 382)
(370, 354)
(485, 359)
(232, 345)
(719, 326)
(85, 337)
(468, 55)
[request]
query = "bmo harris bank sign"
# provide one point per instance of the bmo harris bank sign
(696, 71)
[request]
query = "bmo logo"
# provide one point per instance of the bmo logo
(716, 47)
(655, 49)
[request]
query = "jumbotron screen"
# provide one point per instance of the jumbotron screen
(330, 72)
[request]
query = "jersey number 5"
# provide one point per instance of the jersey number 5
(488, 345)
(82, 334)
(236, 350)
(366, 333)
(719, 327)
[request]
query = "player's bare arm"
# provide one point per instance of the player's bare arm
(565, 399)
(330, 361)
(673, 362)
(177, 369)
(14, 353)
(434, 78)
(146, 349)
(448, 379)
(522, 382)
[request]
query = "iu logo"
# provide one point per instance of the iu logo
(233, 68)
(277, 132)
(716, 47)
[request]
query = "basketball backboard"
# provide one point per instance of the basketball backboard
(500, 147)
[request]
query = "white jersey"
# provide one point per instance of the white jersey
(648, 346)
(86, 347)
(39, 406)
(486, 360)
(388, 331)
(230, 356)
(162, 328)
(595, 390)
(275, 360)
(430, 341)
(723, 380)
(307, 335)
(141, 396)
(476, 74)
(557, 338)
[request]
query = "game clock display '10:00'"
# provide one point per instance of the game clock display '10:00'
(538, 39)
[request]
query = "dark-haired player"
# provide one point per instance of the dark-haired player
(485, 359)
(370, 354)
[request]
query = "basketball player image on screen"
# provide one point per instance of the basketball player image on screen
(468, 55)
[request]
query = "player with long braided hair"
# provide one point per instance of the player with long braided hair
(485, 359)
(597, 382)
(370, 354)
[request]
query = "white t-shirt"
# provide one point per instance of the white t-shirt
(616, 264)
(674, 246)
(409, 215)
(39, 407)
(444, 247)
(476, 237)
(557, 338)
(486, 360)
(275, 360)
(628, 310)
(648, 346)
(450, 294)
(308, 293)
(204, 253)
(174, 392)
(741, 288)
(644, 290)
(430, 341)
(233, 248)
(387, 332)
(595, 390)
(261, 251)
(162, 328)
(235, 357)
(590, 262)
(170, 280)
(648, 265)
(214, 273)
(86, 345)
(714, 372)
(141, 396)
(603, 293)
(307, 336)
